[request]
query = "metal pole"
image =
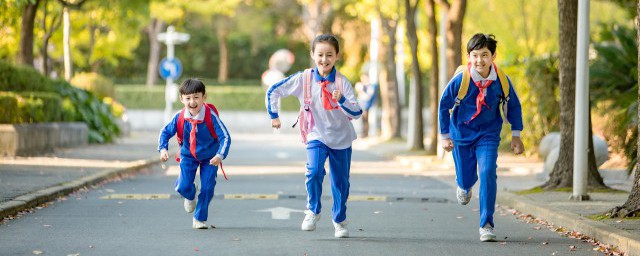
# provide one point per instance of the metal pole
(442, 76)
(581, 135)
(169, 88)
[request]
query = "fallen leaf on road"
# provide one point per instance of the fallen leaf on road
(37, 252)
(572, 248)
(545, 242)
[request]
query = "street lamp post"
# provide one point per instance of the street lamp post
(170, 67)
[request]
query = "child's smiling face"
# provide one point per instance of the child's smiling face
(193, 102)
(324, 55)
(481, 60)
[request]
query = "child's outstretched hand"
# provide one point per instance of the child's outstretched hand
(215, 161)
(447, 144)
(336, 95)
(516, 145)
(164, 156)
(275, 123)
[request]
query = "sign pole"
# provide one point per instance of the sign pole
(170, 68)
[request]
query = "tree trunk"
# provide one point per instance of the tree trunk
(391, 115)
(152, 30)
(631, 208)
(222, 33)
(455, 16)
(44, 51)
(313, 14)
(594, 179)
(66, 43)
(416, 140)
(562, 174)
(25, 55)
(432, 148)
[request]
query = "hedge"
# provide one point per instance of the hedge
(30, 107)
(224, 97)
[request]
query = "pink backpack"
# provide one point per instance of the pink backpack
(306, 117)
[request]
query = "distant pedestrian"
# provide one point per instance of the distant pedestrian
(367, 93)
(470, 124)
(328, 105)
(204, 142)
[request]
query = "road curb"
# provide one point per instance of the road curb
(39, 197)
(625, 241)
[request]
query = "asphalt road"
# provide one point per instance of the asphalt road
(259, 211)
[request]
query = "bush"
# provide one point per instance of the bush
(21, 78)
(224, 97)
(8, 108)
(30, 107)
(90, 110)
(99, 85)
(36, 107)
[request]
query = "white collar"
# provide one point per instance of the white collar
(477, 77)
(199, 116)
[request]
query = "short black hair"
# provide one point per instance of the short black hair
(326, 38)
(479, 41)
(191, 86)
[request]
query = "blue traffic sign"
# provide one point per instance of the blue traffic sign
(170, 68)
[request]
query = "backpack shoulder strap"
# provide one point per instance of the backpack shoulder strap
(180, 126)
(504, 82)
(209, 120)
(338, 81)
(306, 86)
(464, 85)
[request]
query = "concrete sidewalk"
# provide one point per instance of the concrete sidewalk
(26, 182)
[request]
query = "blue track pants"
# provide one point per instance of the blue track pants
(472, 160)
(186, 187)
(340, 165)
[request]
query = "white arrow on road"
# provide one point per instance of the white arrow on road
(280, 213)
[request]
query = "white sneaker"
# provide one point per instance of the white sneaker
(463, 196)
(199, 224)
(310, 220)
(190, 205)
(341, 230)
(486, 233)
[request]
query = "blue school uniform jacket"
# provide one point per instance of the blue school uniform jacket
(206, 146)
(488, 124)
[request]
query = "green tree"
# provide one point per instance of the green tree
(631, 208)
